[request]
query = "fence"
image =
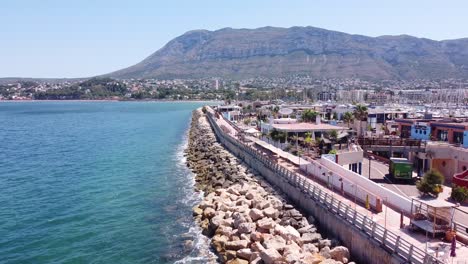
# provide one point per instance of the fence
(386, 238)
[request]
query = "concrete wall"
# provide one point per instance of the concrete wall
(378, 192)
(363, 249)
(334, 180)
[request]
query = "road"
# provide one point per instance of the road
(379, 174)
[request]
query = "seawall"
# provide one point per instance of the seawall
(247, 219)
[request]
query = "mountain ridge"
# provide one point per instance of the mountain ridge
(317, 52)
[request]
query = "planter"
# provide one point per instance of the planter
(449, 235)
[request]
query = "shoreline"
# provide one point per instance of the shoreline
(247, 220)
(109, 100)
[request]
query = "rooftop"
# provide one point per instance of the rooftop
(305, 127)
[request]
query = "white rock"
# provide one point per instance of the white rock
(275, 242)
(310, 237)
(271, 212)
(340, 253)
(236, 245)
(269, 256)
(266, 223)
(244, 253)
(255, 214)
(246, 228)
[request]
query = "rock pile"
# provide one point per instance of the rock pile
(249, 222)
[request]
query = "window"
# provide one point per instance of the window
(457, 137)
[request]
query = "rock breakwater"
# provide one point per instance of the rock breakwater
(247, 220)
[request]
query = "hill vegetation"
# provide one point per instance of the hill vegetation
(316, 52)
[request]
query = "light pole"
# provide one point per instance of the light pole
(370, 159)
(355, 193)
(386, 212)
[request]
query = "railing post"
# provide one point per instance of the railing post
(373, 229)
(410, 252)
(397, 242)
(384, 237)
(364, 223)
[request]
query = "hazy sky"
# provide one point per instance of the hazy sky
(80, 38)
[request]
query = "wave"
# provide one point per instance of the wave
(200, 245)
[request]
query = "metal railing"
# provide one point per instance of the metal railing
(388, 240)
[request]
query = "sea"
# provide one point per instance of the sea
(97, 182)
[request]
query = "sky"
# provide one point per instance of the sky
(83, 38)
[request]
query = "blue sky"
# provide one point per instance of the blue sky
(80, 38)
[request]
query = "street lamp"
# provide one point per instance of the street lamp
(370, 159)
(386, 212)
(342, 189)
(355, 194)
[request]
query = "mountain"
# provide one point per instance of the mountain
(271, 51)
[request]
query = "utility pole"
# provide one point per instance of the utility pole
(369, 164)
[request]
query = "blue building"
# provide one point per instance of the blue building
(421, 131)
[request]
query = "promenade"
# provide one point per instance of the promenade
(389, 217)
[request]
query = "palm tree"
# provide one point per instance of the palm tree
(308, 141)
(348, 118)
(333, 136)
(360, 113)
(309, 115)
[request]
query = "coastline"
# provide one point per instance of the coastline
(247, 220)
(111, 100)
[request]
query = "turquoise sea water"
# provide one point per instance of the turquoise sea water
(95, 182)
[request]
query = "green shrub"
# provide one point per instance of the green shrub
(333, 151)
(204, 109)
(431, 183)
(459, 193)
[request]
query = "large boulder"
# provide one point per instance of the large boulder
(287, 232)
(244, 253)
(266, 223)
(275, 202)
(208, 213)
(237, 261)
(246, 228)
(310, 238)
(325, 243)
(236, 245)
(325, 252)
(197, 211)
(270, 255)
(271, 212)
(340, 254)
(311, 248)
(275, 242)
(224, 230)
(255, 214)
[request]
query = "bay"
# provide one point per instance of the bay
(96, 182)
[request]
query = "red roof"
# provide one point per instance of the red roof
(305, 127)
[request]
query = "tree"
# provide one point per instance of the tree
(348, 118)
(333, 135)
(309, 115)
(431, 183)
(360, 113)
(459, 193)
(247, 121)
(308, 141)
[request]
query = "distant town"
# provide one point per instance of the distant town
(290, 89)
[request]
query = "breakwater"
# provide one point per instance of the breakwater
(249, 220)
